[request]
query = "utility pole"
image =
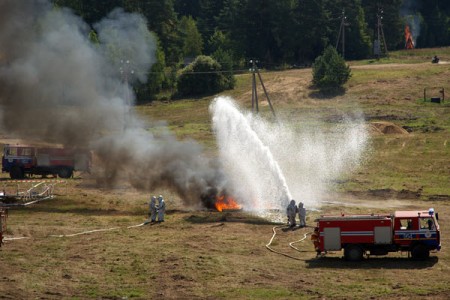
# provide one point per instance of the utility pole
(126, 71)
(342, 33)
(380, 35)
(255, 106)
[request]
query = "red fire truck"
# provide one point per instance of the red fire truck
(19, 160)
(3, 215)
(416, 232)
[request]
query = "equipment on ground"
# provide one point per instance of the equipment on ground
(19, 160)
(434, 91)
(416, 232)
(40, 190)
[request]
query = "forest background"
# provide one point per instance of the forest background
(278, 34)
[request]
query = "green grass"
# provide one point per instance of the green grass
(260, 293)
(409, 56)
(382, 93)
(205, 254)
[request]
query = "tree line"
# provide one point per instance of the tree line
(278, 33)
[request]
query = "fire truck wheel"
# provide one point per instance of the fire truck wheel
(353, 253)
(65, 172)
(420, 252)
(16, 173)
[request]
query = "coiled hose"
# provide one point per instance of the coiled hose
(290, 244)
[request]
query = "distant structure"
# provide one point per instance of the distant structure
(255, 106)
(341, 34)
(380, 41)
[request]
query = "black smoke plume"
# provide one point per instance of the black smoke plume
(58, 85)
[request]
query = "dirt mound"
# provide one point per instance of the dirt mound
(386, 128)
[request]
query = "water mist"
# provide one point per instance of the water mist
(269, 163)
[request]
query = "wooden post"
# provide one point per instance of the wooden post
(255, 105)
(265, 92)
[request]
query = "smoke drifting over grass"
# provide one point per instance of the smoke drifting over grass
(58, 86)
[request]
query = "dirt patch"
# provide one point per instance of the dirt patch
(390, 117)
(387, 128)
(439, 197)
(389, 194)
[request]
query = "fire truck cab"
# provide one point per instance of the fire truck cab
(416, 232)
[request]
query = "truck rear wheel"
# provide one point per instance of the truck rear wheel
(353, 253)
(420, 252)
(65, 172)
(16, 173)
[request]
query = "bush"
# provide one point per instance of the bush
(330, 71)
(202, 77)
(226, 61)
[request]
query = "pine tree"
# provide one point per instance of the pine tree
(191, 38)
(330, 71)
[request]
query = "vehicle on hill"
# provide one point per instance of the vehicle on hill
(20, 160)
(416, 232)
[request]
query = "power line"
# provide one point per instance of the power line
(206, 72)
(378, 41)
(342, 31)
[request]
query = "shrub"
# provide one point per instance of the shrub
(226, 61)
(330, 70)
(202, 77)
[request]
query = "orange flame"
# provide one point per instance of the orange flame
(409, 43)
(226, 203)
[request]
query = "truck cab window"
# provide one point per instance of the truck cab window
(11, 151)
(405, 224)
(426, 223)
(26, 152)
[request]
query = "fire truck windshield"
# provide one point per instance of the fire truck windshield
(427, 223)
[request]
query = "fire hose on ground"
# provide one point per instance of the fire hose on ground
(290, 244)
(96, 230)
(47, 193)
(78, 233)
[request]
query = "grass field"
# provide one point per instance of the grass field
(202, 254)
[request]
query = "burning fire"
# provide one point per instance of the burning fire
(409, 43)
(226, 203)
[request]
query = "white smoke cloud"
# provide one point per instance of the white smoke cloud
(128, 44)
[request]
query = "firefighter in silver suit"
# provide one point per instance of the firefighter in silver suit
(302, 214)
(291, 212)
(152, 208)
(161, 208)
